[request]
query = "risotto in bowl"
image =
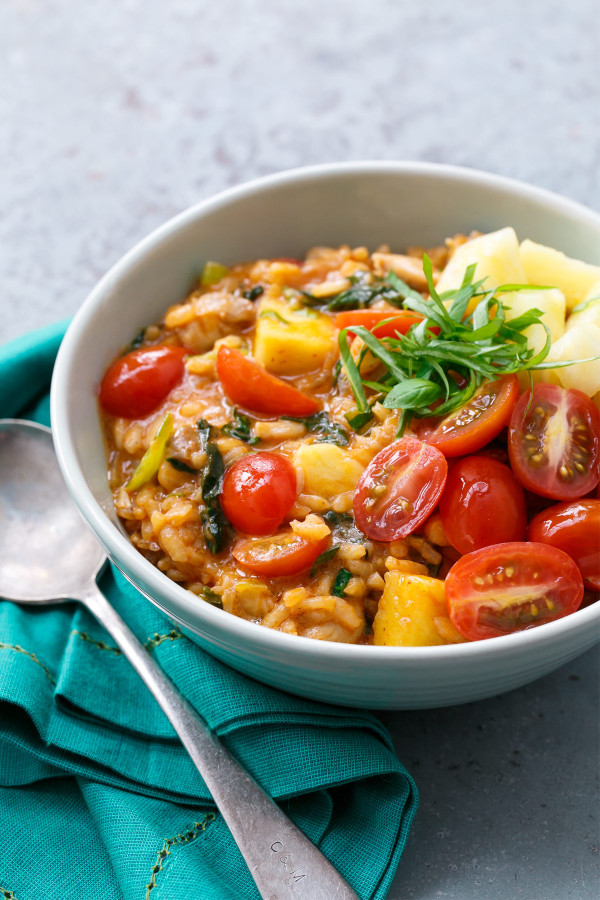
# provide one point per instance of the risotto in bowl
(342, 425)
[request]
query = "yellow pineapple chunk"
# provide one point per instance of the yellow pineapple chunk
(412, 613)
(551, 303)
(580, 342)
(328, 469)
(545, 265)
(291, 341)
(496, 256)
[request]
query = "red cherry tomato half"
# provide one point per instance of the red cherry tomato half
(482, 504)
(510, 587)
(248, 385)
(479, 421)
(139, 381)
(258, 491)
(398, 489)
(278, 555)
(574, 528)
(371, 318)
(554, 442)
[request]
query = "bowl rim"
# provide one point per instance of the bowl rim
(120, 548)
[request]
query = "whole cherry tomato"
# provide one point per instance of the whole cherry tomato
(258, 491)
(554, 442)
(250, 386)
(482, 504)
(138, 382)
(510, 587)
(398, 489)
(575, 528)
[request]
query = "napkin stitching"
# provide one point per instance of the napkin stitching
(155, 641)
(185, 838)
(18, 649)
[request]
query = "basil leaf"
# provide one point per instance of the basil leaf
(412, 394)
(205, 430)
(334, 518)
(214, 523)
(320, 423)
(240, 428)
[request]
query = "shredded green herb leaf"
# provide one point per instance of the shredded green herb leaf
(341, 582)
(240, 428)
(344, 527)
(320, 423)
(254, 293)
(323, 558)
(447, 356)
(273, 314)
(214, 523)
(585, 303)
(334, 518)
(363, 293)
(137, 341)
(181, 466)
(212, 597)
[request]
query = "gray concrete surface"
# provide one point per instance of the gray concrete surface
(116, 115)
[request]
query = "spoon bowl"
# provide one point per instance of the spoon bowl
(47, 551)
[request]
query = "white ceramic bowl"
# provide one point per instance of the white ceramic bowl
(284, 215)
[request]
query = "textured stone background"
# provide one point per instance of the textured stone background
(115, 115)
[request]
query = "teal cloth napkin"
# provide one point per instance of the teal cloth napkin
(98, 799)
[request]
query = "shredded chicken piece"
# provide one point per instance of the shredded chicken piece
(409, 268)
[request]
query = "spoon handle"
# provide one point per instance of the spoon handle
(281, 859)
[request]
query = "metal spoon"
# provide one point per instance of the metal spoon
(46, 556)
